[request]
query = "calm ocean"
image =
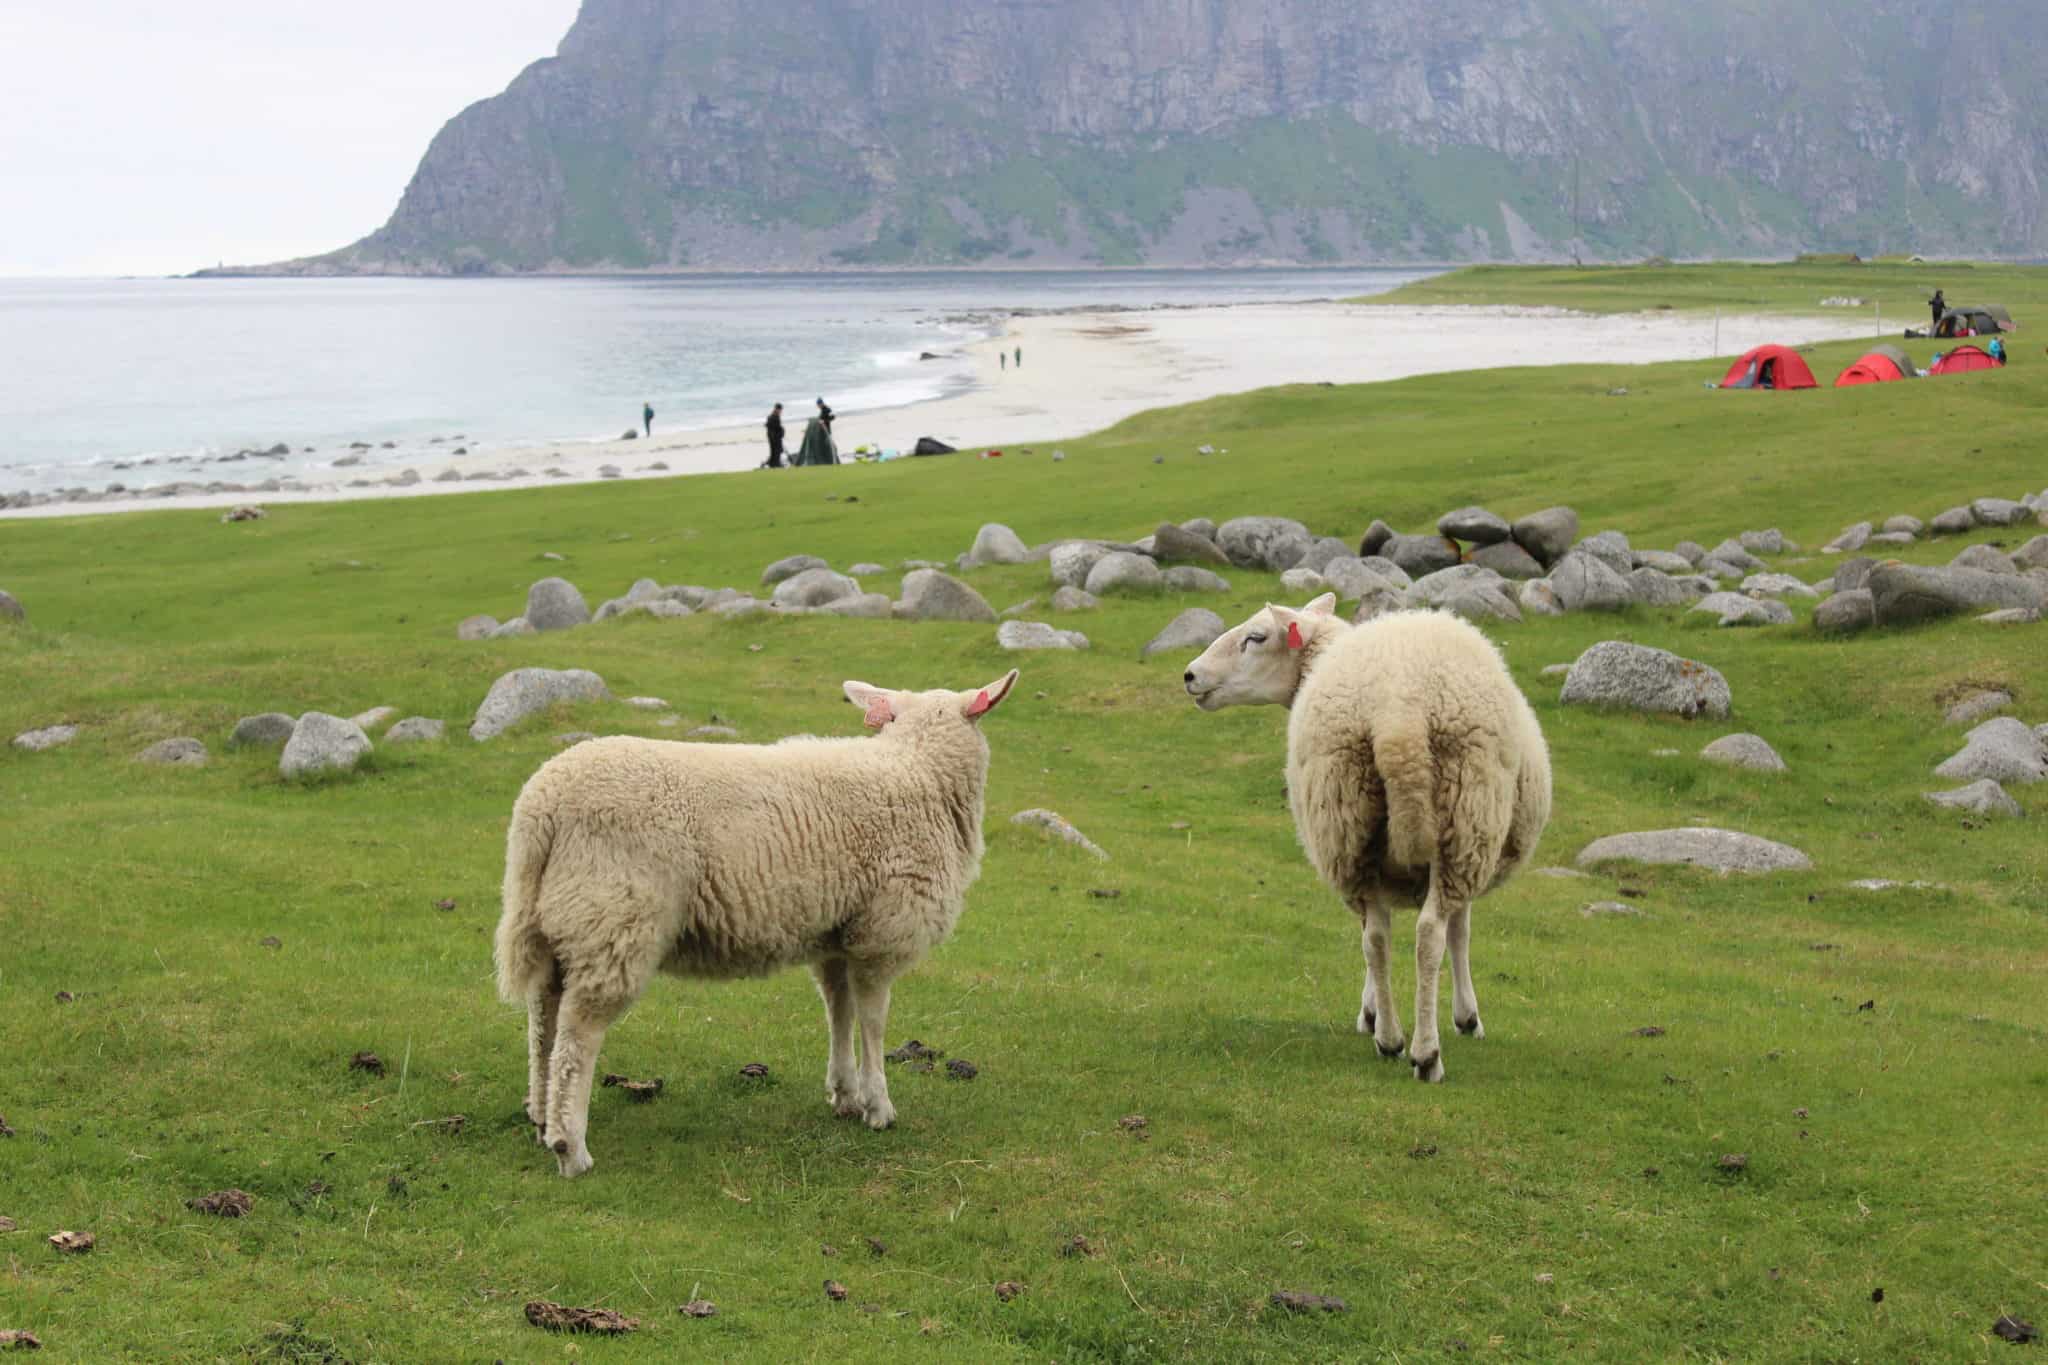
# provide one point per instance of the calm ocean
(100, 373)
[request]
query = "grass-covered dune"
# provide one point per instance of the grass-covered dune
(1878, 1057)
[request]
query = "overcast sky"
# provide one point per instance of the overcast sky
(144, 137)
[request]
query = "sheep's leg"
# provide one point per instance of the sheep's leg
(580, 1026)
(1425, 1052)
(1376, 1012)
(1464, 1000)
(541, 1011)
(871, 999)
(842, 1075)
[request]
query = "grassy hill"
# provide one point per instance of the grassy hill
(1878, 1057)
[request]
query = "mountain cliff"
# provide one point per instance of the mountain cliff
(712, 134)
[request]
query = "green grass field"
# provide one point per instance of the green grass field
(1878, 1058)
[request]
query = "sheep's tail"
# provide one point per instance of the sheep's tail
(1408, 772)
(525, 957)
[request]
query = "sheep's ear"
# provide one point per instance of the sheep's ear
(880, 710)
(1290, 623)
(1322, 606)
(990, 697)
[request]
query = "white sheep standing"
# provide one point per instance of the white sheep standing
(1414, 768)
(849, 856)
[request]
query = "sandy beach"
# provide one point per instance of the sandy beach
(1082, 371)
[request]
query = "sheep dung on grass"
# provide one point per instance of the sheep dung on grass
(1415, 768)
(849, 856)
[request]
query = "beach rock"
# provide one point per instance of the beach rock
(1546, 535)
(1420, 555)
(1744, 751)
(375, 716)
(1071, 561)
(272, 727)
(790, 568)
(1505, 558)
(1474, 526)
(1664, 561)
(49, 737)
(1691, 551)
(1056, 825)
(1778, 585)
(2032, 555)
(11, 609)
(1734, 609)
(174, 753)
(1986, 558)
(1771, 542)
(1375, 539)
(1853, 573)
(1610, 548)
(527, 691)
(1845, 612)
(929, 595)
(1955, 521)
(415, 730)
(869, 606)
(1538, 598)
(1080, 599)
(2004, 750)
(1303, 583)
(554, 604)
(996, 543)
(1655, 588)
(1999, 512)
(1038, 635)
(1904, 593)
(1983, 797)
(1194, 629)
(1976, 706)
(1732, 551)
(1585, 582)
(323, 743)
(1639, 678)
(476, 627)
(1274, 544)
(1853, 538)
(814, 588)
(1325, 551)
(1177, 544)
(1120, 571)
(518, 625)
(1717, 850)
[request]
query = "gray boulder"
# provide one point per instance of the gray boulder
(1038, 635)
(1506, 558)
(1655, 588)
(1778, 585)
(1274, 544)
(1349, 578)
(2004, 750)
(415, 730)
(1744, 751)
(1853, 573)
(790, 568)
(1639, 678)
(2010, 616)
(1955, 521)
(1720, 569)
(869, 606)
(1538, 598)
(476, 627)
(1734, 609)
(1474, 526)
(174, 753)
(1976, 706)
(1121, 571)
(1394, 574)
(929, 595)
(1987, 558)
(1732, 551)
(1070, 561)
(528, 691)
(1303, 583)
(1903, 593)
(272, 727)
(1375, 539)
(1664, 561)
(665, 608)
(554, 604)
(1434, 589)
(1176, 544)
(1324, 551)
(814, 588)
(324, 743)
(1378, 601)
(996, 543)
(1059, 828)
(1482, 602)
(1717, 850)
(1585, 582)
(864, 570)
(1194, 629)
(1548, 534)
(1999, 512)
(1691, 551)
(1890, 539)
(1845, 612)
(1903, 524)
(11, 609)
(1610, 548)
(1852, 539)
(1079, 599)
(1420, 555)
(49, 737)
(1190, 578)
(374, 717)
(1200, 526)
(743, 605)
(1983, 797)
(2033, 554)
(517, 626)
(1771, 542)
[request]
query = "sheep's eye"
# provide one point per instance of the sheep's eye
(1251, 640)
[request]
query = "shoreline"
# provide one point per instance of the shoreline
(1085, 369)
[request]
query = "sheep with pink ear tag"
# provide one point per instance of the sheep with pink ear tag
(851, 857)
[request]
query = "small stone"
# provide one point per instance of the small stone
(1955, 521)
(1419, 556)
(2010, 616)
(814, 588)
(1852, 539)
(1274, 544)
(1735, 609)
(1546, 535)
(1977, 705)
(1195, 629)
(1999, 512)
(1986, 558)
(1771, 542)
(177, 753)
(1596, 909)
(1584, 582)
(1184, 578)
(1074, 599)
(1717, 850)
(1979, 798)
(49, 737)
(414, 730)
(1744, 751)
(1778, 585)
(1300, 583)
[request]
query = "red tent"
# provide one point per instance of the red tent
(1962, 360)
(1881, 366)
(1769, 367)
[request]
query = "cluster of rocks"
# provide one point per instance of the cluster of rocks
(1995, 752)
(2009, 589)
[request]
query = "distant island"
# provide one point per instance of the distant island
(679, 135)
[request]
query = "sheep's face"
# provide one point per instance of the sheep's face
(914, 711)
(1260, 662)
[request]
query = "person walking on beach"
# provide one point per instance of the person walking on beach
(1020, 357)
(775, 437)
(647, 416)
(1002, 360)
(1939, 305)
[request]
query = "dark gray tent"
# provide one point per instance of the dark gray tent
(1983, 320)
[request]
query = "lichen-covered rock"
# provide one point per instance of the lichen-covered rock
(1771, 542)
(555, 604)
(1853, 573)
(1655, 588)
(1983, 797)
(1069, 561)
(1077, 599)
(1717, 850)
(789, 568)
(1548, 534)
(1904, 593)
(416, 730)
(1845, 612)
(1639, 678)
(1955, 521)
(2004, 750)
(1902, 523)
(1987, 558)
(49, 737)
(996, 543)
(1744, 751)
(1735, 609)
(272, 727)
(528, 691)
(1507, 559)
(1999, 512)
(1274, 544)
(1419, 556)
(929, 595)
(174, 753)
(1303, 583)
(1610, 548)
(1664, 561)
(871, 606)
(814, 588)
(1852, 539)
(324, 743)
(1586, 582)
(1194, 629)
(1538, 598)
(476, 627)
(1121, 571)
(1177, 544)
(1434, 589)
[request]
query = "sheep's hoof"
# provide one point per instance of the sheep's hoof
(1471, 1028)
(1391, 1050)
(1429, 1070)
(572, 1164)
(881, 1116)
(848, 1109)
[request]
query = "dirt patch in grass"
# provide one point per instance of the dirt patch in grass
(641, 1091)
(553, 1317)
(223, 1203)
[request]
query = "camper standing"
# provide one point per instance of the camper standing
(1939, 305)
(775, 437)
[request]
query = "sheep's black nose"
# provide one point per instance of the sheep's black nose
(1188, 677)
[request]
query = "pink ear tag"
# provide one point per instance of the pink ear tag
(979, 706)
(880, 713)
(1294, 640)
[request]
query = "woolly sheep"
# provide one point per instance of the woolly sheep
(627, 856)
(1414, 768)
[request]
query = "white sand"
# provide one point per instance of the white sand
(1086, 371)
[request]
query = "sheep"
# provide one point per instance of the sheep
(848, 856)
(1414, 767)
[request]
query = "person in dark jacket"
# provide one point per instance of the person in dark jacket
(647, 416)
(775, 437)
(825, 414)
(1939, 305)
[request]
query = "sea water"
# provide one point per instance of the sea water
(145, 382)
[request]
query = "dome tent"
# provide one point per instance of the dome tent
(1770, 367)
